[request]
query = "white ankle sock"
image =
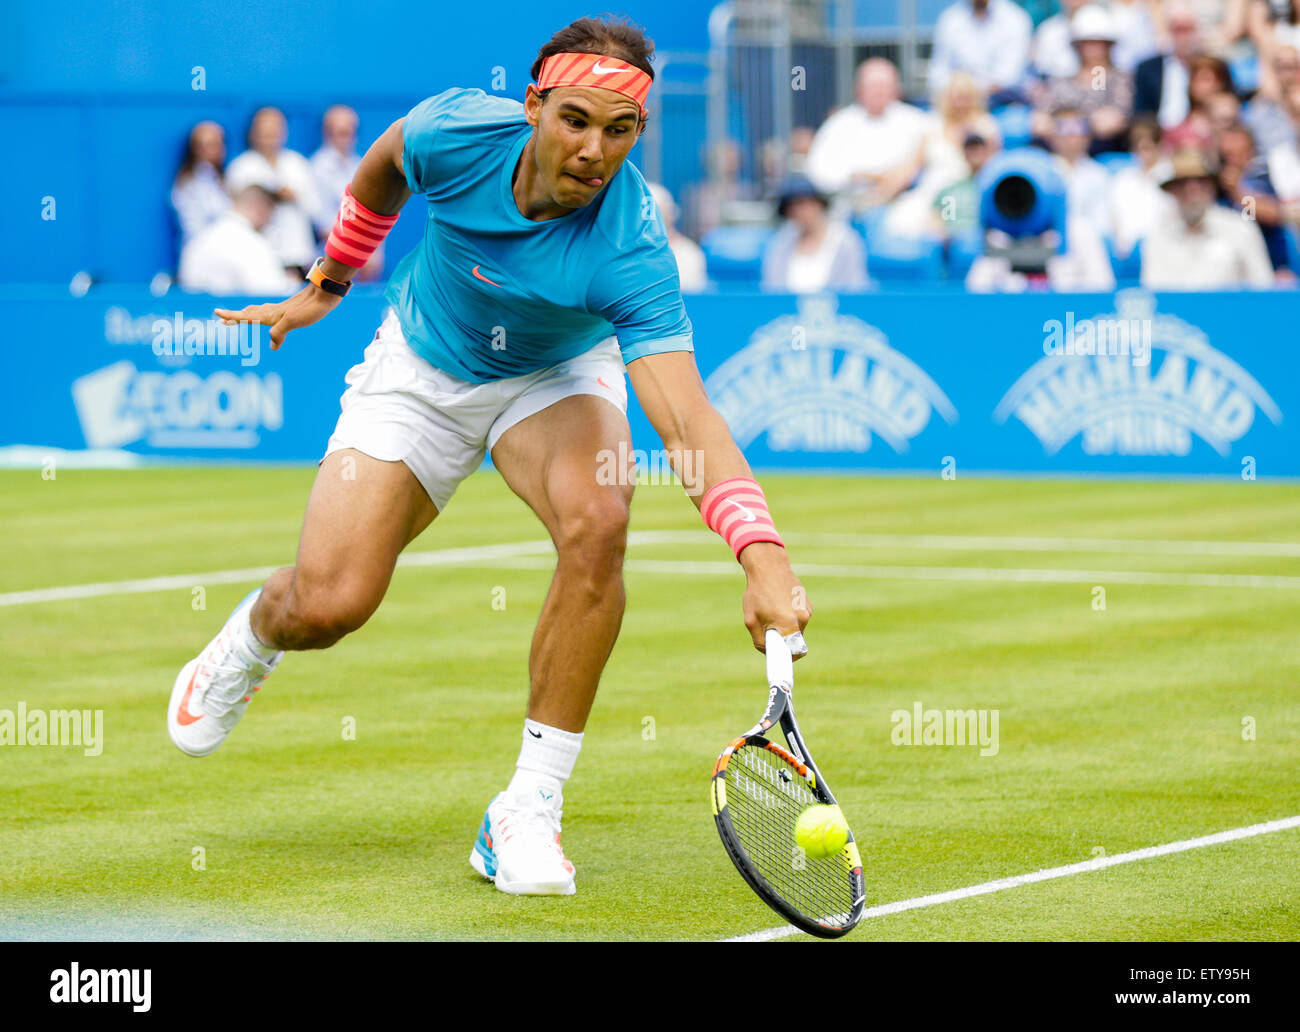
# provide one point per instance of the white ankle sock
(244, 633)
(546, 760)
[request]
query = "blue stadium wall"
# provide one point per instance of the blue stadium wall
(942, 382)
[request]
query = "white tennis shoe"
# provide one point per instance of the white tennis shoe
(212, 692)
(519, 849)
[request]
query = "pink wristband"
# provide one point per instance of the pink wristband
(737, 510)
(357, 232)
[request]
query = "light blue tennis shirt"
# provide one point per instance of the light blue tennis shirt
(489, 293)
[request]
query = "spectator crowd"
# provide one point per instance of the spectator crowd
(1171, 126)
(255, 225)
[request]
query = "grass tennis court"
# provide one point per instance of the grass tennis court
(1117, 729)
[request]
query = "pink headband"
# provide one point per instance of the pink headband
(607, 73)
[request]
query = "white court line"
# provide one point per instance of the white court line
(1097, 864)
(496, 556)
(963, 542)
(481, 553)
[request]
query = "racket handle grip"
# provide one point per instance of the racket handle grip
(780, 662)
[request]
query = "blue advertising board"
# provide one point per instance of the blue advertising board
(1125, 383)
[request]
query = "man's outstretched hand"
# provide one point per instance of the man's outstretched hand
(309, 305)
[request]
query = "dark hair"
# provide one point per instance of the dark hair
(1220, 69)
(1144, 124)
(190, 158)
(608, 35)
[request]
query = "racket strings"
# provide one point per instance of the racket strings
(765, 796)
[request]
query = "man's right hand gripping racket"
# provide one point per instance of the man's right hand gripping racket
(759, 791)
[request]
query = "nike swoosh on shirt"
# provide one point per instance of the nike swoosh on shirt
(183, 715)
(746, 515)
(535, 734)
(480, 275)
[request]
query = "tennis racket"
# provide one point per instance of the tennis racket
(759, 791)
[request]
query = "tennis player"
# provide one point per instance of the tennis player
(543, 277)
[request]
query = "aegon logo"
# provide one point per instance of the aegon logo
(96, 985)
(120, 404)
(1118, 407)
(822, 382)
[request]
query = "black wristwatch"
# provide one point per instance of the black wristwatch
(317, 275)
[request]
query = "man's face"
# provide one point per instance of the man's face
(977, 155)
(1186, 35)
(582, 137)
(210, 143)
(1194, 197)
(268, 132)
(1236, 149)
(1071, 136)
(341, 131)
(877, 89)
(1286, 66)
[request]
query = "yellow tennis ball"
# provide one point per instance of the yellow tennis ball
(821, 830)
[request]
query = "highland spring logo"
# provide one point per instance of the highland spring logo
(1119, 406)
(821, 382)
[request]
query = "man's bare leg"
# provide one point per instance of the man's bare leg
(361, 514)
(550, 460)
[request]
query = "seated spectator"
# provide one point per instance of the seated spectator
(782, 159)
(1200, 245)
(1136, 198)
(1273, 24)
(1161, 82)
(960, 113)
(1223, 24)
(872, 150)
(1284, 160)
(1134, 23)
(286, 174)
(1087, 183)
(690, 258)
(199, 191)
(990, 39)
(1246, 188)
(726, 192)
(1207, 78)
(334, 164)
(332, 169)
(957, 207)
(1051, 54)
(231, 256)
(811, 251)
(1266, 115)
(1097, 88)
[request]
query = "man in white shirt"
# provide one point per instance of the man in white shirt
(231, 256)
(286, 174)
(990, 39)
(332, 169)
(333, 166)
(1284, 159)
(871, 150)
(1087, 183)
(1200, 245)
(1161, 81)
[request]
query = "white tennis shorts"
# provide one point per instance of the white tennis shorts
(400, 408)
